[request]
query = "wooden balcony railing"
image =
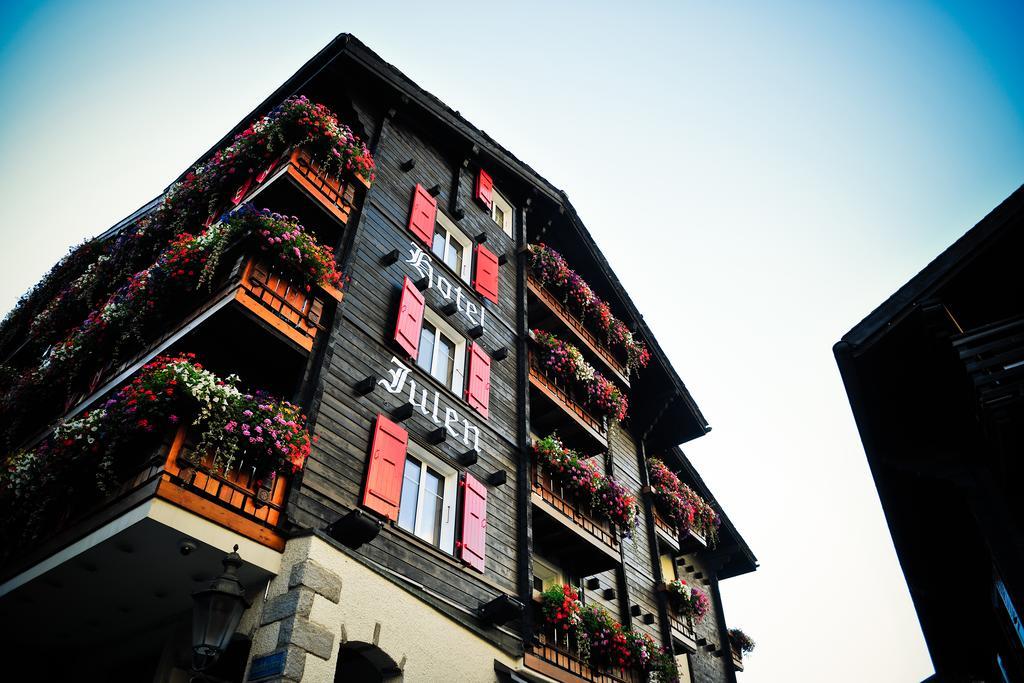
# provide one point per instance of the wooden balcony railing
(553, 653)
(688, 541)
(737, 657)
(993, 356)
(336, 194)
(170, 471)
(230, 497)
(564, 397)
(286, 307)
(667, 533)
(575, 325)
(550, 495)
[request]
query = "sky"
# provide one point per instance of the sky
(759, 175)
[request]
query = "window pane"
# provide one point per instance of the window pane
(499, 216)
(425, 355)
(445, 360)
(439, 242)
(410, 492)
(454, 257)
(433, 506)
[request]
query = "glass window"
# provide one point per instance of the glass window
(668, 568)
(546, 574)
(501, 212)
(442, 352)
(425, 353)
(452, 247)
(428, 497)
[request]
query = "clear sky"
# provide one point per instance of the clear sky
(760, 175)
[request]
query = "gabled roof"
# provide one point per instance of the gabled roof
(676, 401)
(945, 266)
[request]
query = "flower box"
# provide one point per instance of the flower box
(289, 310)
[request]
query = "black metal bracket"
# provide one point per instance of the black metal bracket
(476, 331)
(609, 594)
(500, 353)
(648, 618)
(593, 583)
(449, 308)
(468, 458)
(408, 165)
(422, 283)
(635, 610)
(502, 258)
(390, 257)
(365, 385)
(437, 436)
(402, 412)
(481, 238)
(434, 190)
(500, 610)
(498, 478)
(355, 528)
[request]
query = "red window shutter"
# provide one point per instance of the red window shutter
(478, 393)
(485, 278)
(265, 173)
(410, 318)
(423, 215)
(383, 489)
(473, 543)
(484, 188)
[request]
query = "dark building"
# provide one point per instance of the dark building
(458, 461)
(934, 377)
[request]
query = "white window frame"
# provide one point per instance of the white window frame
(448, 503)
(455, 234)
(442, 327)
(560, 577)
(498, 201)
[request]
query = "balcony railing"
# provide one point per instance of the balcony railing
(230, 497)
(689, 541)
(575, 325)
(553, 653)
(564, 397)
(737, 657)
(336, 194)
(993, 356)
(286, 307)
(549, 494)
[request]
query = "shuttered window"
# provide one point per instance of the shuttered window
(423, 215)
(410, 318)
(478, 393)
(473, 537)
(386, 467)
(485, 279)
(484, 188)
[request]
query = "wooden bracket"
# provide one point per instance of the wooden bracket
(593, 583)
(355, 528)
(498, 478)
(449, 308)
(408, 165)
(500, 353)
(434, 190)
(365, 385)
(476, 331)
(438, 435)
(402, 412)
(468, 458)
(609, 593)
(390, 257)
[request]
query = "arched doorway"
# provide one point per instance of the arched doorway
(365, 663)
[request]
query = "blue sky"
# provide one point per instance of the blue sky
(761, 175)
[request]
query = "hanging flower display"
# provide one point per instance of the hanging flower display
(106, 444)
(601, 641)
(687, 600)
(88, 275)
(552, 271)
(602, 397)
(605, 497)
(741, 641)
(138, 310)
(682, 506)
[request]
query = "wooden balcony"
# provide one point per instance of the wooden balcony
(556, 408)
(568, 531)
(737, 657)
(171, 472)
(680, 543)
(335, 194)
(554, 313)
(287, 308)
(231, 498)
(680, 625)
(668, 535)
(553, 653)
(993, 357)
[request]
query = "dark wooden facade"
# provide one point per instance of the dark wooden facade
(350, 372)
